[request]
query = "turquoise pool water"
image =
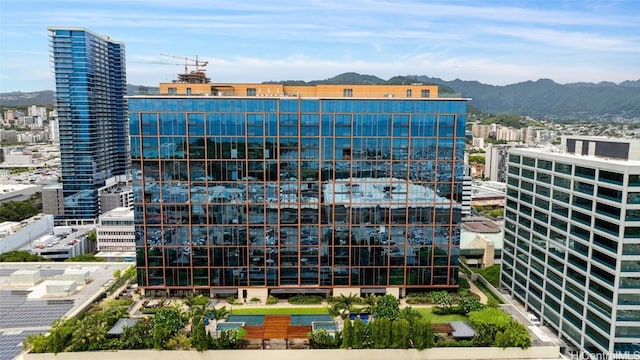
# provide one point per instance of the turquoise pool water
(229, 325)
(324, 325)
(306, 320)
(249, 320)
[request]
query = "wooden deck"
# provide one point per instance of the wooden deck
(276, 327)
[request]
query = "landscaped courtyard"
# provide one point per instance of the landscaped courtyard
(196, 322)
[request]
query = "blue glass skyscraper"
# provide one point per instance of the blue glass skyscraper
(90, 88)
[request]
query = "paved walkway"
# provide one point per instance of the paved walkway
(474, 289)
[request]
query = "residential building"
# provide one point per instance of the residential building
(116, 193)
(92, 123)
(572, 240)
(495, 166)
(53, 199)
(253, 189)
(115, 235)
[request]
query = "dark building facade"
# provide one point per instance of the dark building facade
(91, 83)
(295, 192)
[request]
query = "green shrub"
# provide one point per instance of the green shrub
(305, 300)
(437, 310)
(233, 300)
(455, 343)
(271, 300)
(419, 299)
(463, 283)
(491, 274)
(347, 335)
(320, 339)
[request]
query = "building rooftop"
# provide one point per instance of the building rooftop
(416, 91)
(461, 329)
(481, 227)
(28, 310)
(118, 327)
(119, 212)
(78, 28)
(561, 155)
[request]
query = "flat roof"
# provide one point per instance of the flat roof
(27, 310)
(481, 227)
(79, 28)
(586, 160)
(285, 97)
(118, 327)
(119, 212)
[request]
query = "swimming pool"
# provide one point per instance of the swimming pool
(307, 320)
(329, 326)
(249, 320)
(229, 325)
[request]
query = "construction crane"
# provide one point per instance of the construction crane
(195, 76)
(199, 65)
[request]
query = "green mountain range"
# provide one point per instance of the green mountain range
(543, 98)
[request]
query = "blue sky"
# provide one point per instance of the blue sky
(495, 42)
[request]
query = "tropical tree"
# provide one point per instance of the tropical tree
(164, 325)
(370, 301)
(221, 313)
(387, 306)
(347, 335)
(400, 334)
(487, 323)
(468, 303)
(422, 334)
(199, 336)
(442, 298)
(348, 301)
(381, 333)
(21, 256)
(92, 236)
(358, 334)
(136, 336)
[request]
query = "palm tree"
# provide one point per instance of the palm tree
(370, 301)
(348, 301)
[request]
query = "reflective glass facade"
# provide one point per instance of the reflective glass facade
(296, 192)
(90, 88)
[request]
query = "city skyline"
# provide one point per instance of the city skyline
(492, 42)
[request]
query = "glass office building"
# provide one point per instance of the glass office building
(90, 88)
(297, 192)
(572, 241)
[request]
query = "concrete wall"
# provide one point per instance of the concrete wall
(260, 293)
(27, 234)
(346, 291)
(539, 352)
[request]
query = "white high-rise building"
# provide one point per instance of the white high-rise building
(572, 240)
(495, 163)
(115, 235)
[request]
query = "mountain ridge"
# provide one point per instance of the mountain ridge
(542, 98)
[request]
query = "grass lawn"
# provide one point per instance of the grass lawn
(278, 311)
(439, 319)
